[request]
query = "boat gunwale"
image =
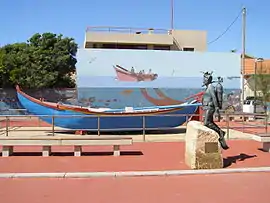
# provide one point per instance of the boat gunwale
(84, 110)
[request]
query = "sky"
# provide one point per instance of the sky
(22, 18)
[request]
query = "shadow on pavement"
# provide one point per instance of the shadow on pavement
(156, 132)
(233, 159)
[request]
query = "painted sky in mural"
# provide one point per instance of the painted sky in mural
(146, 69)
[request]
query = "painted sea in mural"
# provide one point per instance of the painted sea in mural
(119, 78)
(119, 97)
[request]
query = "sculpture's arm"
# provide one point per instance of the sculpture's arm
(213, 95)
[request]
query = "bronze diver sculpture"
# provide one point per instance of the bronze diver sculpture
(211, 103)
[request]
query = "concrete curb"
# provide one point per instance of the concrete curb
(133, 173)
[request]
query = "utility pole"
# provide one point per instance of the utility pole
(172, 14)
(243, 51)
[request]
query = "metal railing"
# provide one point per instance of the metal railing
(7, 120)
(126, 29)
(236, 121)
(13, 111)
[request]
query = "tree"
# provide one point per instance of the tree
(2, 71)
(44, 61)
(14, 62)
(262, 81)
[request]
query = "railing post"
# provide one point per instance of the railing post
(200, 114)
(7, 125)
(227, 125)
(53, 125)
(144, 128)
(38, 122)
(243, 122)
(98, 125)
(266, 123)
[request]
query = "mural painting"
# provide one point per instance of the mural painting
(119, 78)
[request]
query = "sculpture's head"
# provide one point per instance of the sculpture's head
(220, 79)
(207, 78)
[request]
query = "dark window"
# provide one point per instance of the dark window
(124, 46)
(109, 46)
(161, 47)
(188, 49)
(130, 46)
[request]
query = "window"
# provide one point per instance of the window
(130, 46)
(188, 49)
(109, 46)
(161, 47)
(124, 46)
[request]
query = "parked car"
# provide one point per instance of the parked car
(253, 106)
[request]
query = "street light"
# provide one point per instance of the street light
(255, 81)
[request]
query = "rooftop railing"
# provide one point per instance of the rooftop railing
(130, 30)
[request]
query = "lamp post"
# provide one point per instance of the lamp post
(255, 81)
(243, 52)
(172, 14)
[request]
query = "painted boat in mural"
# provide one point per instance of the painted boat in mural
(131, 76)
(83, 118)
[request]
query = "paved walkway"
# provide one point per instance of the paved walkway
(138, 157)
(152, 156)
(229, 188)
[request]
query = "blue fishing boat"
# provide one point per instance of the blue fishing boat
(106, 119)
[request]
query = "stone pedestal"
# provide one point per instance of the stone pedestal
(203, 150)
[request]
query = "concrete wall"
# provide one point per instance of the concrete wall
(191, 38)
(131, 38)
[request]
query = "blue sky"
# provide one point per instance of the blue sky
(22, 18)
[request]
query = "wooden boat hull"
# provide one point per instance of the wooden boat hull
(125, 75)
(122, 76)
(78, 118)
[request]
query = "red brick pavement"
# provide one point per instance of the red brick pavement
(24, 122)
(156, 156)
(232, 188)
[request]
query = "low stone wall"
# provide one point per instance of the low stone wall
(9, 101)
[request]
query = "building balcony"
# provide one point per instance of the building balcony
(142, 38)
(127, 36)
